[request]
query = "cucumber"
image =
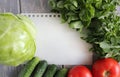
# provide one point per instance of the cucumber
(29, 67)
(61, 73)
(51, 70)
(40, 69)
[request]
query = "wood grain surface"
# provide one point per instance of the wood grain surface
(24, 6)
(34, 6)
(9, 6)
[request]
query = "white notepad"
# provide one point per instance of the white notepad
(57, 43)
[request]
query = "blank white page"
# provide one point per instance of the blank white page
(57, 43)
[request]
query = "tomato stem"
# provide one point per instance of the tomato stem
(106, 74)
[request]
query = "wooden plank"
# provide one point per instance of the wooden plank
(9, 71)
(34, 6)
(9, 6)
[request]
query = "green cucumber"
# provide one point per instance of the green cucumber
(29, 67)
(51, 70)
(40, 69)
(61, 73)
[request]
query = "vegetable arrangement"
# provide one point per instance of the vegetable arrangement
(17, 39)
(106, 67)
(96, 19)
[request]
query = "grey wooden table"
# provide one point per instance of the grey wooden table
(17, 7)
(24, 6)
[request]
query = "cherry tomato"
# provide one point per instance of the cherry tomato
(106, 67)
(79, 71)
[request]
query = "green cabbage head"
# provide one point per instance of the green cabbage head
(17, 39)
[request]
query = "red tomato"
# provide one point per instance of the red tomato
(79, 71)
(119, 67)
(106, 67)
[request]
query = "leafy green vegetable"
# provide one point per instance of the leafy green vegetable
(17, 34)
(99, 20)
(104, 34)
(76, 25)
(88, 14)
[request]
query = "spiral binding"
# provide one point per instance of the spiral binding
(42, 15)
